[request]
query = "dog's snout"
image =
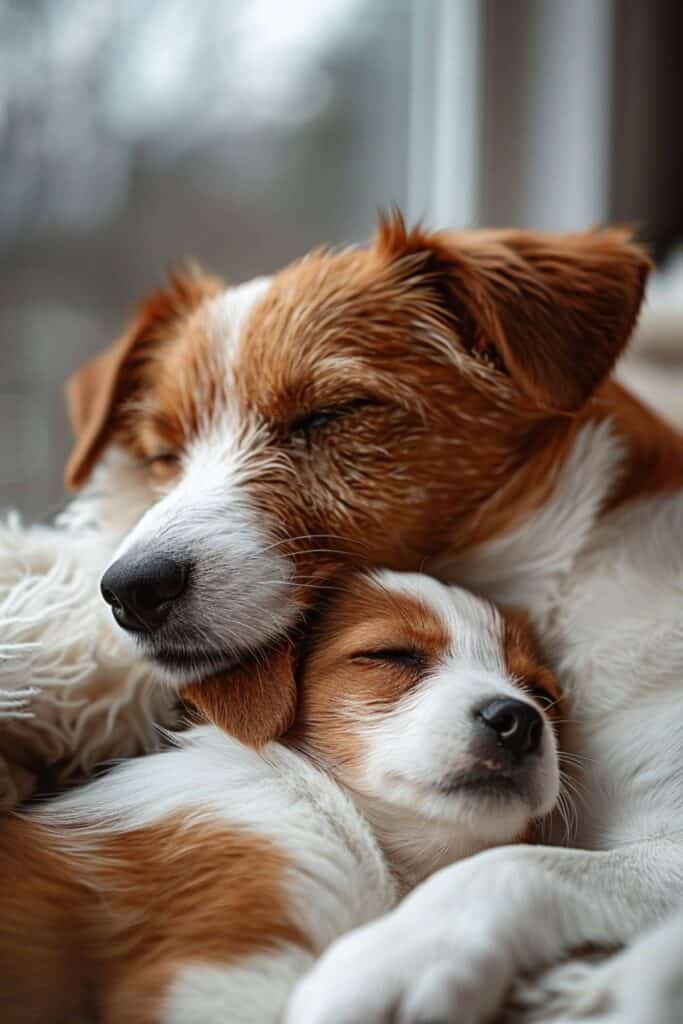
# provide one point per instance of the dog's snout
(518, 726)
(142, 590)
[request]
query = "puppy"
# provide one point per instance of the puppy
(198, 884)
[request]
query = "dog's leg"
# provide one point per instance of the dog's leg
(450, 951)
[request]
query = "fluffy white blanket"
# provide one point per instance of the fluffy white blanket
(71, 693)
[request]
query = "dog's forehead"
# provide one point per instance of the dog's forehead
(327, 307)
(384, 604)
(412, 608)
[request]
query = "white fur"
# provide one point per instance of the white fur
(239, 595)
(275, 793)
(230, 312)
(608, 596)
(254, 991)
(641, 984)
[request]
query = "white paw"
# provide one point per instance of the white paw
(387, 972)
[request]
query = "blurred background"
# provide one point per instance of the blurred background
(243, 132)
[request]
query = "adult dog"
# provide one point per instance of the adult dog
(440, 400)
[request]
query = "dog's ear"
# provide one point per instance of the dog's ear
(98, 392)
(255, 703)
(554, 312)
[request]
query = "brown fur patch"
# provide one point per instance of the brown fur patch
(99, 392)
(342, 683)
(44, 971)
(98, 925)
(256, 702)
(556, 310)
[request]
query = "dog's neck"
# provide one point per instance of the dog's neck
(653, 449)
(415, 846)
(614, 452)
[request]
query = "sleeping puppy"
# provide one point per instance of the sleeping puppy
(200, 883)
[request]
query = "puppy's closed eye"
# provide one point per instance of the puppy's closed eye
(404, 657)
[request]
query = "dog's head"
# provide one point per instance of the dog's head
(360, 408)
(425, 702)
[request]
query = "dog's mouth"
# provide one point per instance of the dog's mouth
(184, 663)
(193, 663)
(480, 784)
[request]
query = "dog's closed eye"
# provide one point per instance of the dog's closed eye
(162, 465)
(404, 657)
(309, 422)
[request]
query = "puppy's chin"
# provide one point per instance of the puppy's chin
(489, 808)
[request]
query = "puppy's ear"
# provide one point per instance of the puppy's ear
(98, 392)
(255, 703)
(554, 312)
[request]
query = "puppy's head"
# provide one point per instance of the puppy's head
(372, 407)
(430, 704)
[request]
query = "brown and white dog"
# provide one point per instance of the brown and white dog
(198, 884)
(440, 400)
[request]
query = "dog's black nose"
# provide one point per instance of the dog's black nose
(142, 590)
(518, 725)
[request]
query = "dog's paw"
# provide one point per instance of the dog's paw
(395, 971)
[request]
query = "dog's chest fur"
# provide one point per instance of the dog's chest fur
(606, 595)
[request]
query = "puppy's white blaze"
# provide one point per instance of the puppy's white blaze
(474, 625)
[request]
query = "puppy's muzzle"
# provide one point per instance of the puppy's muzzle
(141, 591)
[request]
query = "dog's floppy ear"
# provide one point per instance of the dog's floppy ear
(552, 311)
(97, 393)
(256, 702)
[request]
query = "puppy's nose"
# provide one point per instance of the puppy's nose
(518, 725)
(142, 590)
